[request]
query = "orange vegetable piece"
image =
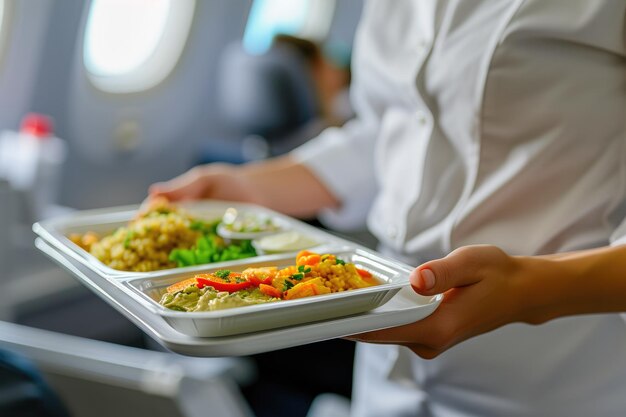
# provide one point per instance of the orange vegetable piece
(303, 253)
(307, 289)
(307, 258)
(366, 277)
(263, 275)
(179, 286)
(269, 290)
(363, 273)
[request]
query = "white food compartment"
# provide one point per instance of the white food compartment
(259, 317)
(105, 221)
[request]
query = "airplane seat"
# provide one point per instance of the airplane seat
(87, 377)
(268, 94)
(23, 391)
(267, 100)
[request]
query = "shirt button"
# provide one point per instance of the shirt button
(422, 45)
(392, 232)
(421, 117)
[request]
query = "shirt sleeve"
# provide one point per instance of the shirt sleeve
(619, 235)
(343, 160)
(619, 238)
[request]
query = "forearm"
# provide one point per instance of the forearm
(484, 288)
(279, 183)
(286, 186)
(583, 282)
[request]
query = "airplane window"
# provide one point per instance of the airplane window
(132, 45)
(304, 18)
(3, 25)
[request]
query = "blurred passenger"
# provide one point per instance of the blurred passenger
(331, 76)
(276, 101)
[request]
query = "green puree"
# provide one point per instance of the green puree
(209, 299)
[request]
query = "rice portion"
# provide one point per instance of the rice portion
(145, 244)
(327, 270)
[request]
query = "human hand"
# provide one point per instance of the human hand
(483, 287)
(219, 181)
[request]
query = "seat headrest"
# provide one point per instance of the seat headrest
(269, 94)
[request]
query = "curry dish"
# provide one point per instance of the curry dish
(313, 274)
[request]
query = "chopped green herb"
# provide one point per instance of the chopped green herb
(203, 227)
(129, 236)
(287, 285)
(197, 225)
(222, 273)
(239, 280)
(339, 262)
(304, 269)
(298, 276)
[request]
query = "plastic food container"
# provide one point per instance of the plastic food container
(240, 224)
(283, 242)
(104, 221)
(392, 277)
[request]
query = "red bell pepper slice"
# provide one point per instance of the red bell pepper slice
(232, 282)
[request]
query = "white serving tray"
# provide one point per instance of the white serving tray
(404, 308)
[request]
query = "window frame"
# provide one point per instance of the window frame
(316, 25)
(6, 11)
(161, 62)
(319, 20)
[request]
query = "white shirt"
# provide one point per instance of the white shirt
(500, 122)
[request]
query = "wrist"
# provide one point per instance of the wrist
(541, 289)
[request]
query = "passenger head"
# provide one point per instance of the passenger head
(330, 79)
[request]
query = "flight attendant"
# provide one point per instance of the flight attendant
(482, 122)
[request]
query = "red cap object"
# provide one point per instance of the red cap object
(38, 125)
